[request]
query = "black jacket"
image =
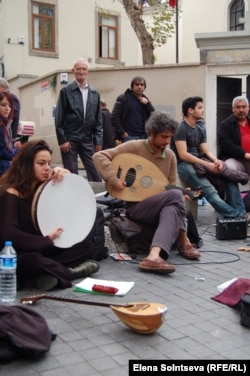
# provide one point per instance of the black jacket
(108, 130)
(69, 117)
(121, 109)
(229, 139)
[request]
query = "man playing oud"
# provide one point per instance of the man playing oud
(165, 210)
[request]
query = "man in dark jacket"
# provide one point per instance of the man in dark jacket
(78, 122)
(234, 136)
(131, 111)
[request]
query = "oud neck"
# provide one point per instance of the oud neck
(35, 298)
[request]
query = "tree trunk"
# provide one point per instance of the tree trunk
(145, 39)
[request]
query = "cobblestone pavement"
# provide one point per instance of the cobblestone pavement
(93, 341)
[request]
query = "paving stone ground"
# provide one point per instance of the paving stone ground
(93, 341)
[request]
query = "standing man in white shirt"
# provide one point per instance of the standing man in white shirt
(78, 122)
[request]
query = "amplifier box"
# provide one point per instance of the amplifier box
(229, 229)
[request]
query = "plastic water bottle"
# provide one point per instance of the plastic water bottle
(8, 273)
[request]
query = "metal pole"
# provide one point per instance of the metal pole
(177, 32)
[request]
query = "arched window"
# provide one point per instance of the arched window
(237, 11)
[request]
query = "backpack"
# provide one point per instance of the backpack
(24, 333)
(245, 310)
(135, 235)
(97, 236)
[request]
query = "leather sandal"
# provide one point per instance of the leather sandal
(157, 265)
(189, 251)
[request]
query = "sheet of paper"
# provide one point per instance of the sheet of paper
(87, 284)
(224, 285)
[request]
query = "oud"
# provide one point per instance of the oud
(142, 178)
(141, 317)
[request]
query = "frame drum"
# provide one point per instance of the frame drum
(69, 204)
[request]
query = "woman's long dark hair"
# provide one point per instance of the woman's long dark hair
(20, 174)
(10, 100)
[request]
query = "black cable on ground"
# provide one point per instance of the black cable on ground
(237, 258)
(136, 260)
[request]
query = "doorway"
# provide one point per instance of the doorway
(227, 89)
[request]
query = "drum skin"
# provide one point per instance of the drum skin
(69, 204)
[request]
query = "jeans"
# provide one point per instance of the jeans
(129, 138)
(233, 208)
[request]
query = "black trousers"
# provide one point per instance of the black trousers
(85, 152)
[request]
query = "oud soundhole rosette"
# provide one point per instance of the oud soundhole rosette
(146, 181)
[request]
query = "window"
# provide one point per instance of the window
(237, 11)
(108, 36)
(43, 27)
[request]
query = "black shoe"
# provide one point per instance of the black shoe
(85, 269)
(45, 282)
(200, 243)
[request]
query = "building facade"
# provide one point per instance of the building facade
(213, 56)
(38, 37)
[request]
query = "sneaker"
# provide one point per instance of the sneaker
(46, 282)
(157, 265)
(85, 269)
(189, 251)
